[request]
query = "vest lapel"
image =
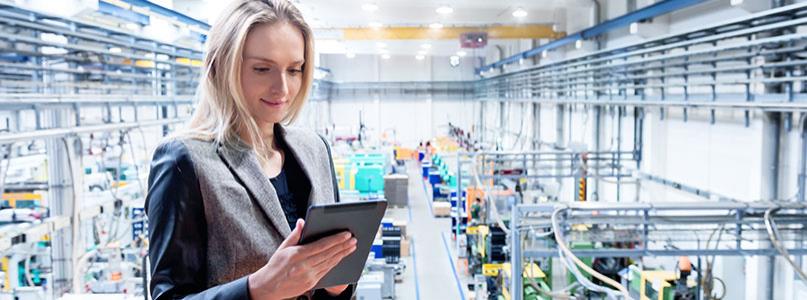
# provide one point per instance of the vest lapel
(244, 164)
(302, 151)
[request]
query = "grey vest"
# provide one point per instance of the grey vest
(245, 223)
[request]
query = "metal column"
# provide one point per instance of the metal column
(63, 159)
(516, 264)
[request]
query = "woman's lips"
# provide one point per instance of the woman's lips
(273, 103)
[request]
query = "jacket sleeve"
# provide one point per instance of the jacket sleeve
(321, 293)
(178, 231)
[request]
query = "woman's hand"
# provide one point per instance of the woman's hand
(295, 269)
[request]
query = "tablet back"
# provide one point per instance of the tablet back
(362, 219)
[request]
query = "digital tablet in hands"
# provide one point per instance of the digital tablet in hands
(362, 219)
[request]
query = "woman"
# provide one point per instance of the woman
(228, 194)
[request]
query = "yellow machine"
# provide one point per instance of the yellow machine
(531, 273)
(22, 200)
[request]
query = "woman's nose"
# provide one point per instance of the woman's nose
(278, 86)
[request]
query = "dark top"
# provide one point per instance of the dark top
(293, 188)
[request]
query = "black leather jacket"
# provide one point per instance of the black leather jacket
(178, 233)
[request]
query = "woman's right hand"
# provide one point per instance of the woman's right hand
(294, 269)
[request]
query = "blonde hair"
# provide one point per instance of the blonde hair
(222, 112)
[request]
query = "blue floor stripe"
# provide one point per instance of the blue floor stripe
(415, 264)
(453, 267)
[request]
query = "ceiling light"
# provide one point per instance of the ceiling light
(461, 53)
(421, 52)
(426, 46)
(519, 13)
(435, 25)
(444, 10)
(385, 56)
(375, 25)
(132, 26)
(736, 2)
(578, 44)
(634, 28)
(544, 54)
(381, 45)
(350, 55)
(420, 57)
(369, 7)
(115, 50)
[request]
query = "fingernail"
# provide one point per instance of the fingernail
(353, 241)
(347, 234)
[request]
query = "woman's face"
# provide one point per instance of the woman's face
(271, 72)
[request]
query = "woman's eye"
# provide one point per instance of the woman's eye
(295, 71)
(262, 70)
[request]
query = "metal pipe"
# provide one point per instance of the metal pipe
(62, 132)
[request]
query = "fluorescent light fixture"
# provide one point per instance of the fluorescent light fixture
(444, 10)
(461, 53)
(519, 13)
(634, 28)
(435, 25)
(385, 56)
(381, 45)
(375, 25)
(350, 55)
(578, 44)
(544, 54)
(736, 2)
(115, 50)
(369, 7)
(420, 57)
(555, 27)
(132, 26)
(426, 46)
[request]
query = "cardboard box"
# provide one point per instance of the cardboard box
(401, 224)
(405, 247)
(441, 209)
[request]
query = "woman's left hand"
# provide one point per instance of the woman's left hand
(336, 290)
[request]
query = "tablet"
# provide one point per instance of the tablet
(362, 219)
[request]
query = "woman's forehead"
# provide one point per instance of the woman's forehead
(280, 43)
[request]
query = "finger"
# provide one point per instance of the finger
(326, 243)
(332, 260)
(294, 236)
(330, 263)
(335, 251)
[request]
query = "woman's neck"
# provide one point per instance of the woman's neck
(267, 134)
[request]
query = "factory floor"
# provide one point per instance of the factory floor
(431, 271)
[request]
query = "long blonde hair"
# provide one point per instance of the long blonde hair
(222, 112)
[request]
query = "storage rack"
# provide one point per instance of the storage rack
(63, 81)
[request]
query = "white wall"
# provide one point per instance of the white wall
(371, 68)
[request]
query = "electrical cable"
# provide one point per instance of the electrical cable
(583, 280)
(75, 215)
(563, 249)
(773, 231)
(135, 163)
(553, 295)
(5, 171)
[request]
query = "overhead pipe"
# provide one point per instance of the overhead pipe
(648, 12)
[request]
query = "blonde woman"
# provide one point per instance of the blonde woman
(227, 195)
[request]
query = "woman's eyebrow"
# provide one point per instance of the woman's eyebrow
(299, 62)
